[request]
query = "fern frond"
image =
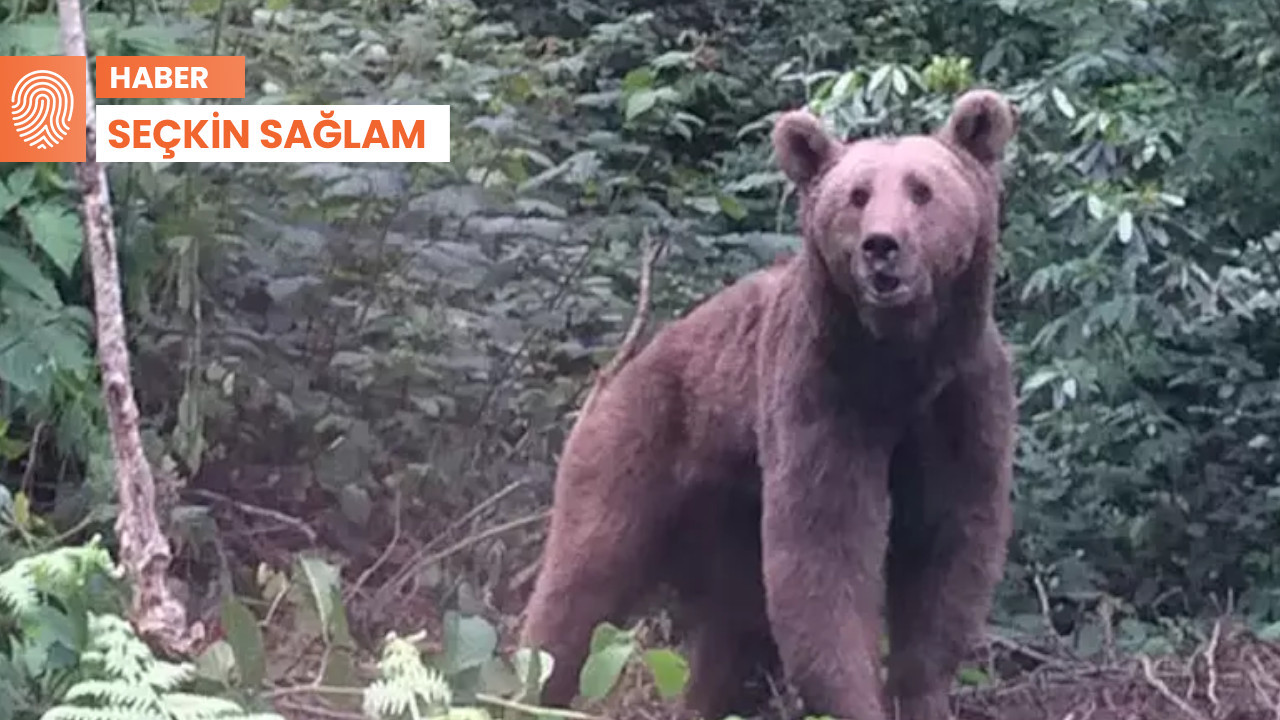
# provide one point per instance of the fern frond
(118, 694)
(115, 648)
(55, 572)
(127, 682)
(406, 686)
(168, 676)
(18, 591)
(73, 712)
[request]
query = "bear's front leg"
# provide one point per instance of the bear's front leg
(825, 528)
(950, 484)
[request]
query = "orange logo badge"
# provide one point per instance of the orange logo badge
(42, 108)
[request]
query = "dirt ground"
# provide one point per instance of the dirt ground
(388, 585)
(1233, 676)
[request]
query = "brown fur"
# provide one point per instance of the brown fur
(802, 444)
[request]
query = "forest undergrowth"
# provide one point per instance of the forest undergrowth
(355, 380)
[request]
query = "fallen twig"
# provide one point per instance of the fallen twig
(1211, 664)
(1256, 676)
(411, 568)
(382, 557)
(1149, 673)
(1020, 649)
(262, 512)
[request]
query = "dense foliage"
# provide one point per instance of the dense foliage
(337, 342)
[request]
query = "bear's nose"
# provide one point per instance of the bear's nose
(880, 248)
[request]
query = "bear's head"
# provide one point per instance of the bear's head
(900, 223)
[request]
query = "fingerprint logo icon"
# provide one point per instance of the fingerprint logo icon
(42, 105)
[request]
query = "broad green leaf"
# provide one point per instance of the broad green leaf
(639, 79)
(324, 583)
(245, 638)
(21, 362)
(15, 188)
(355, 503)
(17, 268)
(611, 648)
(469, 640)
(216, 663)
(640, 102)
(670, 671)
(56, 231)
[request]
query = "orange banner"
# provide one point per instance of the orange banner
(174, 76)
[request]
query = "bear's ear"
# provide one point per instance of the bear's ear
(802, 145)
(982, 123)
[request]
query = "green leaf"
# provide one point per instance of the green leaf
(878, 77)
(670, 671)
(355, 503)
(899, 82)
(611, 648)
(972, 676)
(245, 638)
(1124, 226)
(469, 640)
(324, 582)
(56, 231)
(1095, 206)
(1270, 633)
(844, 86)
(639, 79)
(1063, 104)
(640, 102)
(216, 662)
(533, 669)
(16, 267)
(731, 207)
(15, 189)
(1038, 379)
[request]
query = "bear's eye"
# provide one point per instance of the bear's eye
(920, 192)
(860, 197)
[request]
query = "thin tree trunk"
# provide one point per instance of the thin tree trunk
(144, 551)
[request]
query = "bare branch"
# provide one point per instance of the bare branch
(650, 250)
(144, 551)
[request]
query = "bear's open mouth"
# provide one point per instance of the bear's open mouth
(885, 283)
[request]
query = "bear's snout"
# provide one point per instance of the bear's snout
(886, 269)
(880, 250)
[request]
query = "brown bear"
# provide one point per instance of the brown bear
(823, 438)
